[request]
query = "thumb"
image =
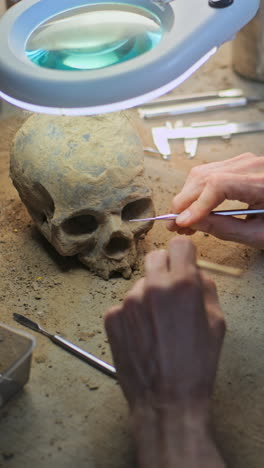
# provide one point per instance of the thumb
(245, 231)
(217, 189)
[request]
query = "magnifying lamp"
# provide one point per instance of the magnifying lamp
(85, 57)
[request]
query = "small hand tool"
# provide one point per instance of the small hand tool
(72, 348)
(222, 94)
(224, 129)
(170, 109)
(149, 149)
(222, 213)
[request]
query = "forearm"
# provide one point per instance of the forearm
(174, 438)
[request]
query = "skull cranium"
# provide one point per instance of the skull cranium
(82, 179)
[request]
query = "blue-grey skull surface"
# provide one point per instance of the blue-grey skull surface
(82, 180)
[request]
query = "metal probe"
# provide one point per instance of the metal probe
(72, 348)
(222, 213)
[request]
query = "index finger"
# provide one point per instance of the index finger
(182, 255)
(156, 262)
(217, 189)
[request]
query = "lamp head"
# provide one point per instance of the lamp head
(85, 57)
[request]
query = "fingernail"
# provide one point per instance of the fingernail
(183, 217)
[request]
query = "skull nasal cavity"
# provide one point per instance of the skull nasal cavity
(116, 246)
(80, 225)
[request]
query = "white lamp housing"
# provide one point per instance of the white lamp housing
(84, 57)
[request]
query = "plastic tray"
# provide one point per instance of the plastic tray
(15, 360)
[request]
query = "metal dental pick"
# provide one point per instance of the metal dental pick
(222, 213)
(72, 348)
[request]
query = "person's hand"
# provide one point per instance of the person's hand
(241, 179)
(167, 335)
(166, 339)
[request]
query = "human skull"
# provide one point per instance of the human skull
(82, 180)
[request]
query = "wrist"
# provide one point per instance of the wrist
(172, 436)
(189, 412)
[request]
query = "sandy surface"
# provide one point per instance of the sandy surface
(71, 415)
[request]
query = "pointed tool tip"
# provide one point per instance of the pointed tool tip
(141, 220)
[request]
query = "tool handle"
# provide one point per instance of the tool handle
(193, 107)
(84, 355)
(225, 93)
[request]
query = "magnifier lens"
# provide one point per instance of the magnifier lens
(90, 38)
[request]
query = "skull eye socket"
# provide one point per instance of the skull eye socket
(137, 209)
(41, 207)
(79, 225)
